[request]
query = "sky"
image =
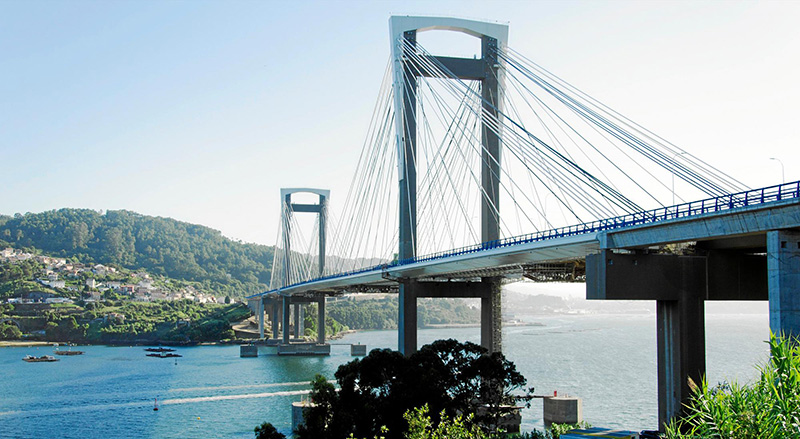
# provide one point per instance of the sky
(202, 110)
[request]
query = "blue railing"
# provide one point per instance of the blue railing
(752, 197)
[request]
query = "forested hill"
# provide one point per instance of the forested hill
(161, 246)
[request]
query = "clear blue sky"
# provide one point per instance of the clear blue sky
(202, 110)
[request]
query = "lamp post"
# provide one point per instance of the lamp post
(783, 175)
(673, 175)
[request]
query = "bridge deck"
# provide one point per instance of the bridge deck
(732, 220)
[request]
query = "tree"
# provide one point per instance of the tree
(268, 431)
(451, 378)
(9, 331)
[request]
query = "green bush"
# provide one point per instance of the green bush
(268, 431)
(768, 408)
(9, 331)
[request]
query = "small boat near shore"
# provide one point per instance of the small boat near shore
(159, 349)
(69, 352)
(42, 359)
(164, 355)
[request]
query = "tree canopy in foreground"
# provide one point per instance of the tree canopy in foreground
(450, 377)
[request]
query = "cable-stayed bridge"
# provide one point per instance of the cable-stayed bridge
(586, 193)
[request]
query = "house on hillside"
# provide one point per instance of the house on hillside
(57, 283)
(38, 296)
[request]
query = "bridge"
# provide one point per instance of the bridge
(502, 130)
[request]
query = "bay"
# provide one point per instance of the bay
(607, 360)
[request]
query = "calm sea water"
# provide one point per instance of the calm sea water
(609, 361)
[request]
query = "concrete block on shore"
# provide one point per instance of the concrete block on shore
(562, 410)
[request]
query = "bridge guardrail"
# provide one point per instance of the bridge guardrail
(752, 197)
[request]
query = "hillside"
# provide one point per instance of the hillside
(162, 246)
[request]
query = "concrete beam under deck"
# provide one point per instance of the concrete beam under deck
(728, 225)
(724, 275)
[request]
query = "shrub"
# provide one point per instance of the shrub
(768, 408)
(268, 431)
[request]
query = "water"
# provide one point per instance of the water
(108, 392)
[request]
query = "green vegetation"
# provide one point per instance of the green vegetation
(420, 426)
(382, 313)
(162, 246)
(268, 431)
(768, 408)
(9, 331)
(179, 321)
(17, 279)
(447, 376)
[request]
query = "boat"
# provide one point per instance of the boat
(164, 355)
(42, 359)
(155, 407)
(70, 352)
(159, 349)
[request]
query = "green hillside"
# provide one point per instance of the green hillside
(162, 246)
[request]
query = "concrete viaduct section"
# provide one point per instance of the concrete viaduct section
(750, 254)
(403, 33)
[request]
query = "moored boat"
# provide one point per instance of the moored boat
(42, 359)
(164, 355)
(159, 349)
(70, 352)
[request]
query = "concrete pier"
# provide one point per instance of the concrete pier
(562, 410)
(783, 280)
(298, 413)
(248, 351)
(304, 349)
(358, 350)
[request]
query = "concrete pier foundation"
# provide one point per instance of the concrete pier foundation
(248, 351)
(783, 280)
(562, 410)
(304, 349)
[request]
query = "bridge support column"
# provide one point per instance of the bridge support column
(491, 315)
(783, 279)
(298, 320)
(261, 318)
(286, 319)
(678, 284)
(321, 320)
(407, 317)
(681, 351)
(274, 319)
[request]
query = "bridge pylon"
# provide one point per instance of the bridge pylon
(286, 308)
(486, 70)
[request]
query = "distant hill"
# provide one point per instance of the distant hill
(162, 246)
